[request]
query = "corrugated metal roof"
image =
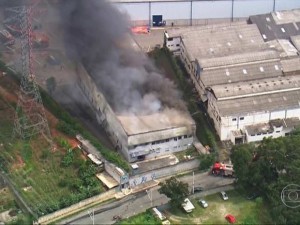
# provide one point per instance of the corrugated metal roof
(222, 41)
(245, 72)
(296, 41)
(257, 87)
(241, 58)
(256, 104)
(179, 31)
(286, 16)
(290, 65)
(270, 30)
(167, 119)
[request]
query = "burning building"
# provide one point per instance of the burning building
(140, 109)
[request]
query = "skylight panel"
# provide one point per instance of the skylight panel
(245, 71)
(261, 69)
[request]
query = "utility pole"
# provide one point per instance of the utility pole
(150, 196)
(193, 182)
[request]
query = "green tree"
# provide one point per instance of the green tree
(269, 167)
(51, 85)
(174, 189)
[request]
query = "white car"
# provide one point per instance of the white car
(203, 203)
(224, 196)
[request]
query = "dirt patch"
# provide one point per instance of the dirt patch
(18, 163)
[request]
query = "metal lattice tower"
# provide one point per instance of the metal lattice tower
(30, 116)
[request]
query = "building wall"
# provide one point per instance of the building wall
(164, 147)
(188, 12)
(107, 118)
(104, 113)
(278, 132)
(224, 125)
(173, 43)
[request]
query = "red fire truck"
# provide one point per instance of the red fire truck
(222, 169)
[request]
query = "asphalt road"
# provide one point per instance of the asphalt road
(135, 204)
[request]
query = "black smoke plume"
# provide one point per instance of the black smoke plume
(95, 33)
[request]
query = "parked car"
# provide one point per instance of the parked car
(198, 189)
(203, 203)
(224, 195)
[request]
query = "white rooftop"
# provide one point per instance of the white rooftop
(222, 41)
(167, 119)
(256, 87)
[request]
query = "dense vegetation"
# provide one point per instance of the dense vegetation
(174, 189)
(267, 169)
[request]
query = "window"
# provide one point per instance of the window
(170, 39)
(177, 45)
(233, 119)
(185, 136)
(153, 142)
(277, 131)
(179, 137)
(167, 150)
(241, 118)
(167, 140)
(175, 139)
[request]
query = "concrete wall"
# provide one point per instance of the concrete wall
(50, 218)
(163, 172)
(188, 12)
(104, 113)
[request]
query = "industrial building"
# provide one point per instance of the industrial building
(197, 12)
(248, 78)
(140, 137)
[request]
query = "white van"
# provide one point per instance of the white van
(158, 214)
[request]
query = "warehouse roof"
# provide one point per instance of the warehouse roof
(284, 47)
(256, 87)
(244, 72)
(290, 65)
(296, 41)
(179, 31)
(162, 125)
(262, 103)
(241, 58)
(222, 41)
(278, 25)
